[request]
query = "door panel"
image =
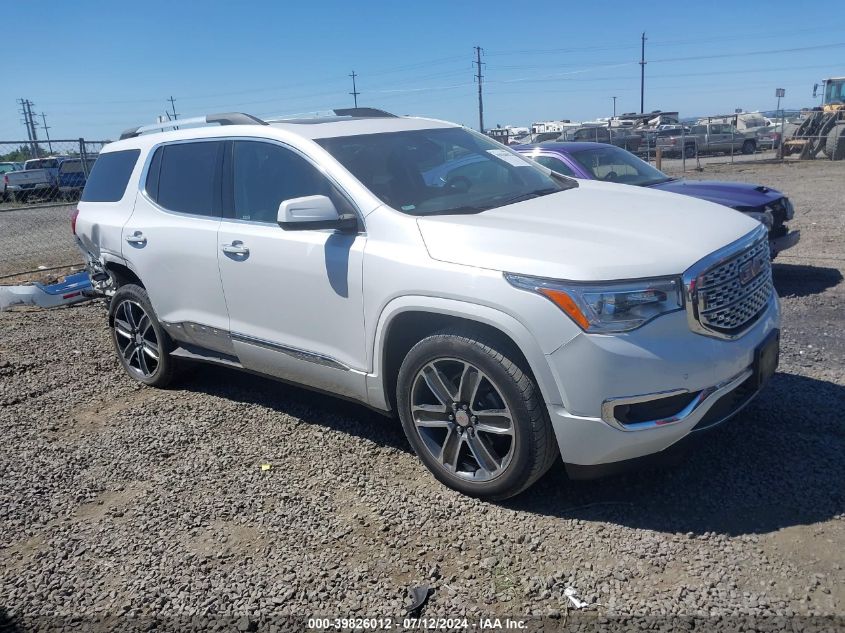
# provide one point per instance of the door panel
(175, 253)
(295, 298)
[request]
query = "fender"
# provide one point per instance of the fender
(472, 312)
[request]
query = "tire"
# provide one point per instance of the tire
(749, 147)
(835, 144)
(142, 346)
(689, 151)
(488, 461)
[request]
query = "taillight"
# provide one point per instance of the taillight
(73, 217)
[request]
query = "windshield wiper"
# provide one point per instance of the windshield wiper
(527, 196)
(659, 181)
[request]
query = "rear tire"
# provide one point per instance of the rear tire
(835, 145)
(499, 439)
(749, 147)
(689, 151)
(143, 347)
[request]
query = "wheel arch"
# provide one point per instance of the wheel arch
(122, 274)
(407, 320)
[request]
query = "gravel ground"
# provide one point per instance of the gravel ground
(132, 506)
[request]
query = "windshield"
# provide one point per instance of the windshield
(835, 91)
(442, 171)
(613, 164)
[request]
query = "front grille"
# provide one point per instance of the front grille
(730, 296)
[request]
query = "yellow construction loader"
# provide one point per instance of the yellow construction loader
(824, 128)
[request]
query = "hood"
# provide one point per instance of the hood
(598, 231)
(730, 194)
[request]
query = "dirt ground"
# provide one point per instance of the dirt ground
(150, 508)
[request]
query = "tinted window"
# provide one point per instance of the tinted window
(109, 176)
(555, 164)
(266, 174)
(436, 171)
(187, 178)
(614, 164)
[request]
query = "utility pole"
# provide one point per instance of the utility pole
(479, 78)
(642, 75)
(614, 106)
(46, 128)
(29, 122)
(354, 92)
(173, 108)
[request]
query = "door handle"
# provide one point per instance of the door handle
(235, 248)
(136, 238)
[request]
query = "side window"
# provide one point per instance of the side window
(265, 174)
(555, 164)
(110, 175)
(185, 177)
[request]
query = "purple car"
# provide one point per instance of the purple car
(598, 161)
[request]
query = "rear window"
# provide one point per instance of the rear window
(75, 166)
(110, 175)
(185, 177)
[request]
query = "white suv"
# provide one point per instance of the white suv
(506, 313)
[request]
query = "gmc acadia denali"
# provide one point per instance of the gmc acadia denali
(505, 312)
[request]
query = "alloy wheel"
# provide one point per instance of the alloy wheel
(462, 419)
(136, 339)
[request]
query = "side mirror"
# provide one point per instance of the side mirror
(313, 212)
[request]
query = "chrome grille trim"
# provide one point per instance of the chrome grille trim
(718, 303)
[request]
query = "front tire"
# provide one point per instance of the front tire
(142, 345)
(474, 415)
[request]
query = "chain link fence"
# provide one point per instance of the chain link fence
(39, 185)
(45, 171)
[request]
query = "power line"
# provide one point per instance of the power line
(354, 92)
(479, 78)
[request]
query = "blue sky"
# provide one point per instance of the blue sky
(96, 68)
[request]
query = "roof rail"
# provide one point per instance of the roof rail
(225, 118)
(364, 112)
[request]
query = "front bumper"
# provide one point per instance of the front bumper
(662, 358)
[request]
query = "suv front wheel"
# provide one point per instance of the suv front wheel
(141, 343)
(474, 416)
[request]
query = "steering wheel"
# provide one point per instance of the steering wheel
(461, 184)
(611, 175)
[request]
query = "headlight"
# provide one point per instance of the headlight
(765, 218)
(608, 307)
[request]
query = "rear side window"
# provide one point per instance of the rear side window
(110, 175)
(185, 177)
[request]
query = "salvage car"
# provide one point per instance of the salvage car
(596, 161)
(509, 316)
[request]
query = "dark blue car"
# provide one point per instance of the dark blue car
(598, 161)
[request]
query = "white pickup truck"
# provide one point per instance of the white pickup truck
(39, 177)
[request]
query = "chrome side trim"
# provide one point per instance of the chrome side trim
(294, 352)
(215, 339)
(717, 258)
(700, 404)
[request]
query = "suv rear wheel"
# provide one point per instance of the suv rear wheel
(475, 418)
(141, 343)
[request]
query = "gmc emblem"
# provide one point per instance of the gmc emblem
(749, 270)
